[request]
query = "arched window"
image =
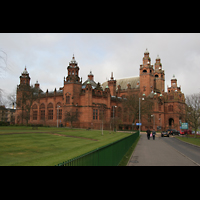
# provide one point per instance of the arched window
(59, 110)
(50, 111)
(35, 112)
(144, 71)
(67, 99)
(42, 111)
(170, 108)
(156, 75)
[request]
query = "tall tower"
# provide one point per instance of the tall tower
(73, 72)
(72, 84)
(159, 76)
(24, 79)
(146, 75)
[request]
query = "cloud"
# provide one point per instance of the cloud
(47, 56)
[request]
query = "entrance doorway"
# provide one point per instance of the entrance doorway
(171, 122)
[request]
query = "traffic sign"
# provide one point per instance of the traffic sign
(184, 126)
(138, 124)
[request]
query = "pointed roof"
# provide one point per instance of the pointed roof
(73, 61)
(158, 58)
(25, 71)
(146, 51)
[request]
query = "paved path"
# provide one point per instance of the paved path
(157, 153)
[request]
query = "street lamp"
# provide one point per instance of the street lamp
(140, 113)
(114, 117)
(57, 114)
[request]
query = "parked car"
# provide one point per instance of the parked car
(185, 132)
(173, 132)
(193, 132)
(165, 134)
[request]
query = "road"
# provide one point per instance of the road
(164, 152)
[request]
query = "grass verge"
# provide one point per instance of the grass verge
(128, 154)
(195, 141)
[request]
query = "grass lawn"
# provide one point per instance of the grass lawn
(191, 140)
(22, 146)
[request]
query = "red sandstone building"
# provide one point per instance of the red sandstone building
(94, 105)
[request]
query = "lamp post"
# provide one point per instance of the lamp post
(57, 114)
(114, 117)
(140, 112)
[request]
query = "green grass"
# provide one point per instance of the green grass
(40, 148)
(191, 140)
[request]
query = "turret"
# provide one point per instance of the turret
(24, 78)
(159, 76)
(146, 75)
(112, 85)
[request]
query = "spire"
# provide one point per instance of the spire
(25, 71)
(90, 76)
(146, 52)
(112, 76)
(73, 60)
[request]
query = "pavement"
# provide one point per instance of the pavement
(158, 153)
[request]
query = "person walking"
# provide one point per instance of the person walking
(148, 134)
(153, 134)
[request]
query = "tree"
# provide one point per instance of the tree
(131, 107)
(71, 116)
(193, 111)
(3, 67)
(26, 97)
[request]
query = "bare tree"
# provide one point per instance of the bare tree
(3, 66)
(25, 100)
(71, 116)
(131, 107)
(193, 111)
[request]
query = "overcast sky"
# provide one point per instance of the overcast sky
(47, 55)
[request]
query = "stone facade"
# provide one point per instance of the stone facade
(96, 105)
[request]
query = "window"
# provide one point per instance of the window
(50, 111)
(42, 111)
(35, 115)
(42, 114)
(34, 111)
(144, 71)
(95, 114)
(170, 108)
(111, 113)
(156, 75)
(67, 99)
(60, 114)
(50, 114)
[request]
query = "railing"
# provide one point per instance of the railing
(108, 155)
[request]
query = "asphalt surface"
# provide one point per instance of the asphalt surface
(164, 151)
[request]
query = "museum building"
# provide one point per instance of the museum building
(93, 105)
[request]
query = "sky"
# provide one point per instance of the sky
(47, 55)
